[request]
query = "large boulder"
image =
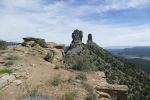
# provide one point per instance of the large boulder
(31, 42)
(117, 92)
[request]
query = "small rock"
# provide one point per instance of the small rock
(101, 74)
(18, 75)
(18, 82)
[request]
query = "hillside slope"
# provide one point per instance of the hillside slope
(139, 51)
(30, 77)
(117, 70)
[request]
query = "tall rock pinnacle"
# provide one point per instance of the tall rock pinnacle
(90, 39)
(77, 36)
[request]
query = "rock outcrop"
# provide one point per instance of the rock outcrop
(90, 56)
(114, 92)
(77, 36)
(90, 39)
(31, 42)
(76, 44)
(6, 79)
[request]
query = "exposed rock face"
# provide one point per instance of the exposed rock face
(116, 92)
(77, 36)
(90, 39)
(76, 44)
(30, 42)
(6, 79)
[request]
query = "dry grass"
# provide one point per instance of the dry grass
(70, 95)
(56, 80)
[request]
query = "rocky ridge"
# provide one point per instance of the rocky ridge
(85, 72)
(104, 91)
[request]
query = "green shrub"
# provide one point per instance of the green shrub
(3, 45)
(23, 43)
(49, 57)
(42, 43)
(6, 70)
(81, 76)
(56, 80)
(70, 95)
(9, 63)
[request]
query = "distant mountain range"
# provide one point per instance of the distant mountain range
(139, 56)
(11, 43)
(139, 51)
(117, 47)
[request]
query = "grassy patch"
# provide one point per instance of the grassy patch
(70, 95)
(6, 70)
(56, 80)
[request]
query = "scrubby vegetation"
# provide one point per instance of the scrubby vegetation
(81, 76)
(141, 64)
(9, 63)
(121, 72)
(42, 43)
(34, 94)
(49, 57)
(91, 93)
(117, 70)
(70, 95)
(6, 70)
(3, 45)
(56, 80)
(80, 62)
(10, 60)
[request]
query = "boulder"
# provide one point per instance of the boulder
(30, 42)
(120, 92)
(17, 82)
(103, 95)
(6, 79)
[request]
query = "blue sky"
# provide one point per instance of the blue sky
(112, 22)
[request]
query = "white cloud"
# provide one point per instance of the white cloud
(55, 22)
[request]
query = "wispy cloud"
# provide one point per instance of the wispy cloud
(55, 20)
